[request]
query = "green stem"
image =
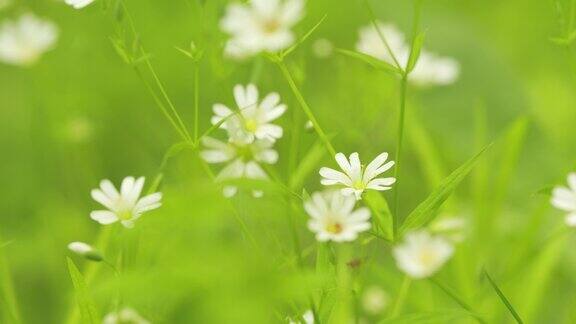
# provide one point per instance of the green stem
(373, 19)
(457, 299)
(196, 102)
(401, 298)
(306, 108)
(399, 143)
(9, 304)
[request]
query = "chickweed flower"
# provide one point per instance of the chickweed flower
(374, 300)
(451, 227)
(22, 42)
(243, 160)
(333, 217)
(253, 121)
(125, 206)
(430, 68)
(355, 178)
(78, 4)
(564, 198)
(85, 250)
(125, 315)
(421, 255)
(260, 26)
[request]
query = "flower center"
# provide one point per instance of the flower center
(334, 228)
(358, 185)
(427, 257)
(251, 125)
(271, 25)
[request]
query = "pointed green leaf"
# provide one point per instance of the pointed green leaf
(85, 304)
(303, 38)
(382, 217)
(503, 298)
(426, 211)
(370, 60)
(307, 165)
(415, 51)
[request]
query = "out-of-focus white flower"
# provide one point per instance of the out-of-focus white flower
(355, 178)
(85, 250)
(254, 117)
(125, 206)
(243, 160)
(421, 255)
(333, 217)
(78, 4)
(322, 48)
(564, 198)
(260, 26)
(22, 42)
(124, 316)
(375, 300)
(79, 130)
(430, 68)
(307, 318)
(451, 227)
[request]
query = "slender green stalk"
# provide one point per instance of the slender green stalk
(399, 143)
(8, 303)
(196, 102)
(374, 20)
(503, 298)
(401, 298)
(306, 107)
(457, 299)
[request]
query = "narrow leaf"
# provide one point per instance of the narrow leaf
(370, 60)
(426, 211)
(303, 38)
(415, 51)
(503, 298)
(382, 217)
(85, 303)
(307, 165)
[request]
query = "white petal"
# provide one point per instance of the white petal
(108, 188)
(270, 101)
(104, 217)
(333, 175)
(343, 162)
(103, 199)
(127, 186)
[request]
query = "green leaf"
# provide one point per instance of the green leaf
(85, 304)
(303, 38)
(426, 211)
(415, 51)
(307, 165)
(382, 216)
(503, 298)
(370, 60)
(8, 304)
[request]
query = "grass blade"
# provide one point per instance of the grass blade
(8, 304)
(415, 51)
(370, 60)
(85, 304)
(425, 212)
(503, 298)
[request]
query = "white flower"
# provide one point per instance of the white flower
(243, 160)
(564, 198)
(125, 316)
(355, 178)
(85, 250)
(333, 217)
(78, 4)
(421, 255)
(307, 317)
(430, 69)
(260, 26)
(254, 118)
(322, 48)
(125, 206)
(23, 42)
(451, 227)
(374, 300)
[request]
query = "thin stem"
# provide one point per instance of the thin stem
(457, 299)
(399, 143)
(196, 102)
(382, 37)
(401, 298)
(306, 108)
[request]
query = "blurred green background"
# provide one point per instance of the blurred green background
(81, 115)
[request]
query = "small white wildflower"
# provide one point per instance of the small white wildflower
(125, 315)
(375, 300)
(322, 48)
(309, 126)
(253, 121)
(421, 255)
(260, 26)
(78, 4)
(333, 217)
(85, 250)
(22, 42)
(243, 160)
(125, 206)
(355, 178)
(564, 198)
(307, 318)
(451, 227)
(430, 69)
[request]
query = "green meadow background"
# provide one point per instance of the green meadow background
(81, 115)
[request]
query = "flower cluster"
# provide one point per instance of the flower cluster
(251, 136)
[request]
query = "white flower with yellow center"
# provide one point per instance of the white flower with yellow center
(22, 42)
(357, 179)
(125, 316)
(333, 217)
(430, 68)
(254, 117)
(125, 206)
(564, 198)
(421, 255)
(375, 300)
(78, 4)
(260, 26)
(243, 160)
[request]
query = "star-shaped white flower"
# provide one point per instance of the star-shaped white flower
(260, 26)
(430, 68)
(78, 4)
(355, 178)
(253, 121)
(333, 217)
(125, 206)
(243, 160)
(125, 315)
(421, 255)
(564, 198)
(23, 42)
